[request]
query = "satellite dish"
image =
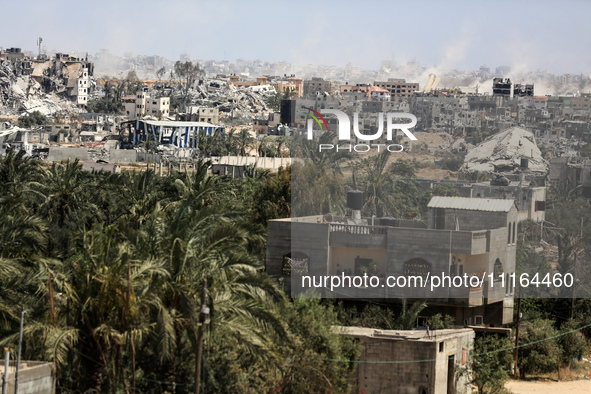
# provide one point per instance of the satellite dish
(328, 217)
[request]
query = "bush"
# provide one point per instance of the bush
(453, 163)
(440, 322)
(311, 323)
(404, 168)
(573, 345)
(543, 353)
(490, 365)
(35, 118)
(375, 316)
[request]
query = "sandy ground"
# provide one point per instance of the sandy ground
(577, 386)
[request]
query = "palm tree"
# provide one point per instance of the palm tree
(327, 160)
(18, 173)
(63, 192)
(140, 195)
(204, 241)
(408, 316)
(282, 141)
(374, 183)
(108, 294)
(244, 141)
(23, 241)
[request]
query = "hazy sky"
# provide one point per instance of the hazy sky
(529, 35)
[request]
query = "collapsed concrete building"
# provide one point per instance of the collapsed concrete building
(65, 74)
(44, 85)
(511, 150)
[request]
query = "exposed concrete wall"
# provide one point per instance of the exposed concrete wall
(90, 166)
(34, 378)
(474, 220)
(475, 253)
(270, 163)
(400, 378)
(149, 157)
(123, 155)
(59, 154)
(422, 364)
(472, 253)
(226, 169)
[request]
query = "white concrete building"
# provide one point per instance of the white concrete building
(83, 86)
(145, 105)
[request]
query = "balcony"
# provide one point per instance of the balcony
(348, 235)
(375, 237)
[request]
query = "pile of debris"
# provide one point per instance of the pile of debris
(511, 150)
(25, 91)
(239, 103)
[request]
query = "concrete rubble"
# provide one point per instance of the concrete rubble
(503, 152)
(46, 86)
(237, 103)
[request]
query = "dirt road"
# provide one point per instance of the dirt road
(577, 386)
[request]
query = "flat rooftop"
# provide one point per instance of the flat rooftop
(402, 335)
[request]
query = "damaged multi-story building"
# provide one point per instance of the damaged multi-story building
(143, 104)
(399, 89)
(291, 85)
(316, 85)
(66, 74)
(443, 113)
(573, 171)
(266, 125)
(200, 114)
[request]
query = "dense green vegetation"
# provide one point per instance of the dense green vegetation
(109, 268)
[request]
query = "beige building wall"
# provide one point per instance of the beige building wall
(400, 90)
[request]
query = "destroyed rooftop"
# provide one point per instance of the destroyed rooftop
(503, 151)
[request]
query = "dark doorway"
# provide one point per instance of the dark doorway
(451, 381)
(439, 218)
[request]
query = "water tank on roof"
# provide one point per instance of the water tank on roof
(388, 221)
(355, 199)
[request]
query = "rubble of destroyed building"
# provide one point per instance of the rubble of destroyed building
(495, 120)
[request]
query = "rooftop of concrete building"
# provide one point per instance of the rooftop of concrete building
(402, 335)
(176, 123)
(524, 184)
(471, 204)
(378, 89)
